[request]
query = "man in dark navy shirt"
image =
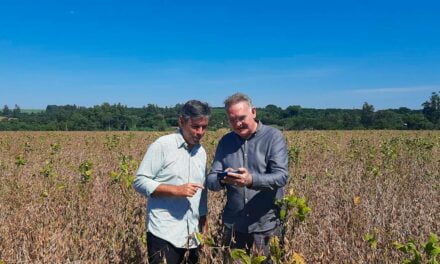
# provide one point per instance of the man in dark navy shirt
(255, 157)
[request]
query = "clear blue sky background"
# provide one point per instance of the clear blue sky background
(321, 54)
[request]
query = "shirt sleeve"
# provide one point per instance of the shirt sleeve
(203, 207)
(217, 166)
(277, 175)
(151, 164)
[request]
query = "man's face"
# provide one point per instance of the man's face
(242, 119)
(193, 129)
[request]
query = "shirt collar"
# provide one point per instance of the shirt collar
(180, 140)
(259, 126)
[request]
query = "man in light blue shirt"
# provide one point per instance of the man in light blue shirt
(172, 176)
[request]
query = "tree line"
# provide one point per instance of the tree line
(152, 117)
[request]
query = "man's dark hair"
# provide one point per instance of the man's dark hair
(195, 109)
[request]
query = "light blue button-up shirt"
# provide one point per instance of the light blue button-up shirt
(169, 161)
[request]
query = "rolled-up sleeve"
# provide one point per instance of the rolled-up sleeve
(277, 173)
(151, 164)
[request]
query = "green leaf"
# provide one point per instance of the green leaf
(275, 249)
(306, 210)
(411, 245)
(258, 259)
(372, 240)
(209, 241)
(199, 237)
(114, 176)
(435, 251)
(431, 247)
(432, 250)
(433, 238)
(291, 201)
(301, 201)
(283, 214)
(368, 237)
(279, 202)
(400, 247)
(240, 254)
(433, 261)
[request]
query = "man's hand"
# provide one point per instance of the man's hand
(242, 179)
(184, 190)
(187, 189)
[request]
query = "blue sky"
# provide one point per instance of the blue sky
(321, 54)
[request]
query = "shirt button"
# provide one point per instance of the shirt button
(247, 215)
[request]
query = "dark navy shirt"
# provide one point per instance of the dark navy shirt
(264, 154)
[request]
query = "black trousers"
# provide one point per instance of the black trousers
(256, 243)
(159, 249)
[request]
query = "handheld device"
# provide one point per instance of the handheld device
(221, 175)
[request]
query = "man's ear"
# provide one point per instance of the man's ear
(181, 121)
(254, 111)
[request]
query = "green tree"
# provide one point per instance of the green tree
(16, 111)
(292, 110)
(350, 120)
(367, 115)
(403, 110)
(387, 119)
(6, 111)
(417, 121)
(431, 108)
(271, 115)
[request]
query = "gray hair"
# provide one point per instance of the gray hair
(195, 109)
(237, 98)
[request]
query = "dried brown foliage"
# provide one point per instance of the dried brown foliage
(355, 182)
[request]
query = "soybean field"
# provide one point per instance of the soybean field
(355, 196)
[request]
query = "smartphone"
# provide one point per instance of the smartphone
(221, 175)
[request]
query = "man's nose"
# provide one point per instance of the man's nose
(237, 123)
(199, 130)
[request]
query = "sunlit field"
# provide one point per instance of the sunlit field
(67, 196)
